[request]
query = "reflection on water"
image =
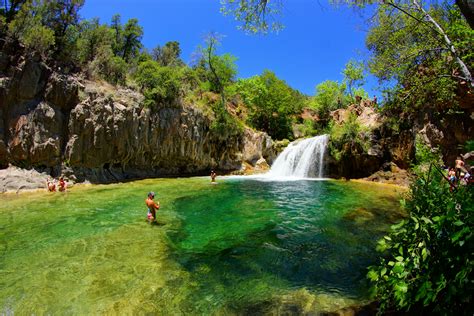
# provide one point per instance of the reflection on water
(242, 246)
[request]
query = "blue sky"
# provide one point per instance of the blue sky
(316, 43)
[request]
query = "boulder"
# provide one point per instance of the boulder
(14, 179)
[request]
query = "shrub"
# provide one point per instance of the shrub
(41, 40)
(425, 156)
(427, 260)
(347, 132)
(158, 83)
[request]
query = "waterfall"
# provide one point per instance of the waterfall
(301, 159)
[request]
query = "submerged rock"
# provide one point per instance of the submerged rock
(359, 215)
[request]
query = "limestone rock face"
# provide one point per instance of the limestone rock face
(365, 113)
(14, 179)
(258, 145)
(3, 145)
(383, 144)
(96, 132)
(35, 138)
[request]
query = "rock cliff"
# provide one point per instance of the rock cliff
(381, 144)
(96, 132)
(389, 140)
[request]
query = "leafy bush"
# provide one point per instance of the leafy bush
(225, 126)
(469, 146)
(41, 40)
(271, 104)
(349, 131)
(329, 97)
(427, 258)
(425, 156)
(28, 28)
(158, 83)
(307, 128)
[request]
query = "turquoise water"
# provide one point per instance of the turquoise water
(241, 246)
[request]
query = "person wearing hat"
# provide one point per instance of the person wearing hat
(152, 206)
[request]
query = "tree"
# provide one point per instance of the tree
(271, 103)
(168, 55)
(353, 76)
(329, 96)
(427, 261)
(10, 9)
(27, 27)
(116, 26)
(410, 53)
(253, 14)
(131, 40)
(59, 15)
(92, 39)
(218, 70)
(159, 84)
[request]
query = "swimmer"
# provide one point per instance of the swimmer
(152, 206)
(213, 177)
(62, 185)
(51, 185)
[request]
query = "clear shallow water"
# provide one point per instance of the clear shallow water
(242, 246)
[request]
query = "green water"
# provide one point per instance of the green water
(242, 246)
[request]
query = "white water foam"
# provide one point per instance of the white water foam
(300, 160)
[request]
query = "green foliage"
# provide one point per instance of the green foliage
(271, 104)
(40, 40)
(115, 70)
(329, 97)
(348, 132)
(27, 27)
(353, 76)
(253, 14)
(168, 55)
(159, 84)
(94, 38)
(425, 156)
(225, 126)
(307, 128)
(414, 56)
(131, 39)
(225, 69)
(117, 29)
(215, 72)
(469, 146)
(427, 259)
(60, 16)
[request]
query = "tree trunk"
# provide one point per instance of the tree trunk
(465, 71)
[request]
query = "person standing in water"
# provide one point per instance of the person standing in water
(213, 176)
(152, 206)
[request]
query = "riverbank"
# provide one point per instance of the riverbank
(15, 180)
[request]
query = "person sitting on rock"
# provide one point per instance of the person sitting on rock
(62, 184)
(452, 175)
(51, 185)
(459, 167)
